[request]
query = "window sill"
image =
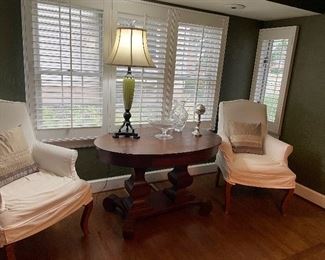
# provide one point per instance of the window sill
(73, 144)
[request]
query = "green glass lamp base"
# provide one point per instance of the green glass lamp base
(128, 93)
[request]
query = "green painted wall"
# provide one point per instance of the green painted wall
(11, 52)
(239, 58)
(90, 168)
(304, 121)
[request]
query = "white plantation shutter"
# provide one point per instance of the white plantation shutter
(149, 82)
(187, 48)
(66, 50)
(270, 74)
(272, 71)
(196, 69)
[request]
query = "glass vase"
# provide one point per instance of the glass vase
(179, 115)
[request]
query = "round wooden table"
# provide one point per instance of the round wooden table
(149, 152)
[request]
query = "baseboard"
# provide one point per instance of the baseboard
(310, 195)
(113, 183)
(117, 182)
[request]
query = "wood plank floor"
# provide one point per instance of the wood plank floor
(255, 229)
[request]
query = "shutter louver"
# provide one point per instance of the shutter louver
(149, 82)
(67, 53)
(196, 68)
(272, 69)
(270, 75)
(63, 42)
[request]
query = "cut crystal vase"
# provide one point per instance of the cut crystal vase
(179, 115)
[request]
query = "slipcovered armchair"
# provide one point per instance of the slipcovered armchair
(269, 170)
(33, 203)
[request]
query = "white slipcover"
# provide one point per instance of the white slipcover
(39, 200)
(266, 171)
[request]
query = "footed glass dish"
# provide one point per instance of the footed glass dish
(164, 125)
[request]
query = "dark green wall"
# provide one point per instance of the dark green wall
(11, 52)
(89, 167)
(304, 121)
(239, 58)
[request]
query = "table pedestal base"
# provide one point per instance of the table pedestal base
(143, 202)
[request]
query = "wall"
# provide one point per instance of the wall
(304, 121)
(239, 58)
(90, 168)
(11, 52)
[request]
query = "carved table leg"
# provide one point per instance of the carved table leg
(137, 186)
(139, 191)
(135, 205)
(180, 178)
(114, 203)
(128, 228)
(142, 203)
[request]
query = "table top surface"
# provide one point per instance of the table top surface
(183, 142)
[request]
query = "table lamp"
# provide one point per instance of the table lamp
(130, 49)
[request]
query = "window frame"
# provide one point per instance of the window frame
(174, 16)
(78, 136)
(205, 77)
(145, 13)
(82, 137)
(290, 33)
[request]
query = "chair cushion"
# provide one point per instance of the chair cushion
(16, 160)
(257, 170)
(37, 201)
(246, 137)
(241, 111)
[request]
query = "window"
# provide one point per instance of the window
(73, 95)
(272, 71)
(66, 50)
(187, 49)
(148, 95)
(197, 59)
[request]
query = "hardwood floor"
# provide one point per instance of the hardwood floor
(254, 229)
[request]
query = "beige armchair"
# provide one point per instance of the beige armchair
(41, 199)
(269, 170)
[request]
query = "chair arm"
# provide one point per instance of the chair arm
(2, 204)
(55, 159)
(226, 148)
(277, 149)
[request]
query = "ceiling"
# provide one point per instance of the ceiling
(255, 9)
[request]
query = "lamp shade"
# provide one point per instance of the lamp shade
(130, 48)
